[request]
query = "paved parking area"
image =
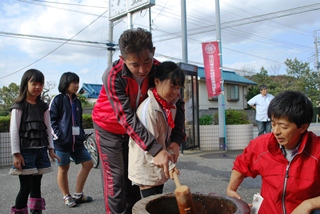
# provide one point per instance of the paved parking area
(203, 172)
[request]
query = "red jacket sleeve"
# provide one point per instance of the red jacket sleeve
(115, 85)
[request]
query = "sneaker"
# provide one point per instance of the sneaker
(82, 199)
(69, 201)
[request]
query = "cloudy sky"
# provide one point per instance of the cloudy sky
(56, 36)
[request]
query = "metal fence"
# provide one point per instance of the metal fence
(5, 148)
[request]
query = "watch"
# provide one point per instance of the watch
(117, 9)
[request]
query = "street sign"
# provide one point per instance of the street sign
(120, 8)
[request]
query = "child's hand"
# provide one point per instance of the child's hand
(175, 169)
(175, 148)
(53, 155)
(18, 161)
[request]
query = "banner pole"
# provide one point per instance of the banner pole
(221, 99)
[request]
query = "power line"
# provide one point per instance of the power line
(39, 3)
(245, 21)
(195, 31)
(258, 9)
(235, 23)
(62, 3)
(51, 38)
(177, 35)
(54, 48)
(53, 41)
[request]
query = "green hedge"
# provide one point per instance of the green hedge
(5, 122)
(233, 117)
(206, 120)
(87, 121)
(236, 117)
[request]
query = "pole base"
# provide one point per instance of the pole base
(222, 144)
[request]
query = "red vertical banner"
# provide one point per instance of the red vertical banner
(211, 60)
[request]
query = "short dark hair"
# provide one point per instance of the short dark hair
(170, 70)
(65, 81)
(261, 87)
(135, 41)
(292, 105)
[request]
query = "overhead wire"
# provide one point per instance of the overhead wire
(53, 40)
(292, 29)
(40, 3)
(211, 28)
(164, 9)
(63, 3)
(55, 48)
(192, 19)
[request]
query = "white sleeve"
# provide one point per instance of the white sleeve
(48, 124)
(14, 130)
(252, 101)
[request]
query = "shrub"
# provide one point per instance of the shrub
(87, 121)
(4, 123)
(206, 120)
(4, 111)
(233, 117)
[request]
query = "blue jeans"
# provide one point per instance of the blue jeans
(263, 127)
(78, 156)
(315, 212)
(36, 162)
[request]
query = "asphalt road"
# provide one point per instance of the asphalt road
(203, 172)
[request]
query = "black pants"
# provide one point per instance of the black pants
(119, 194)
(152, 191)
(29, 184)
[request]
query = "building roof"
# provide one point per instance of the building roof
(92, 90)
(228, 76)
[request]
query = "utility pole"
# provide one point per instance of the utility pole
(150, 21)
(221, 102)
(129, 17)
(184, 32)
(110, 45)
(316, 43)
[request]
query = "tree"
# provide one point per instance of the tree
(299, 77)
(84, 101)
(246, 70)
(282, 83)
(7, 97)
(275, 68)
(306, 80)
(45, 93)
(261, 78)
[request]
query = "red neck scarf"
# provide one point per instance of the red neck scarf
(165, 106)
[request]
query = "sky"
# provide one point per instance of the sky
(56, 36)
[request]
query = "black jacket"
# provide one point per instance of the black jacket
(62, 119)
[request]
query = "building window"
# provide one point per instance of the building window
(233, 93)
(215, 98)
